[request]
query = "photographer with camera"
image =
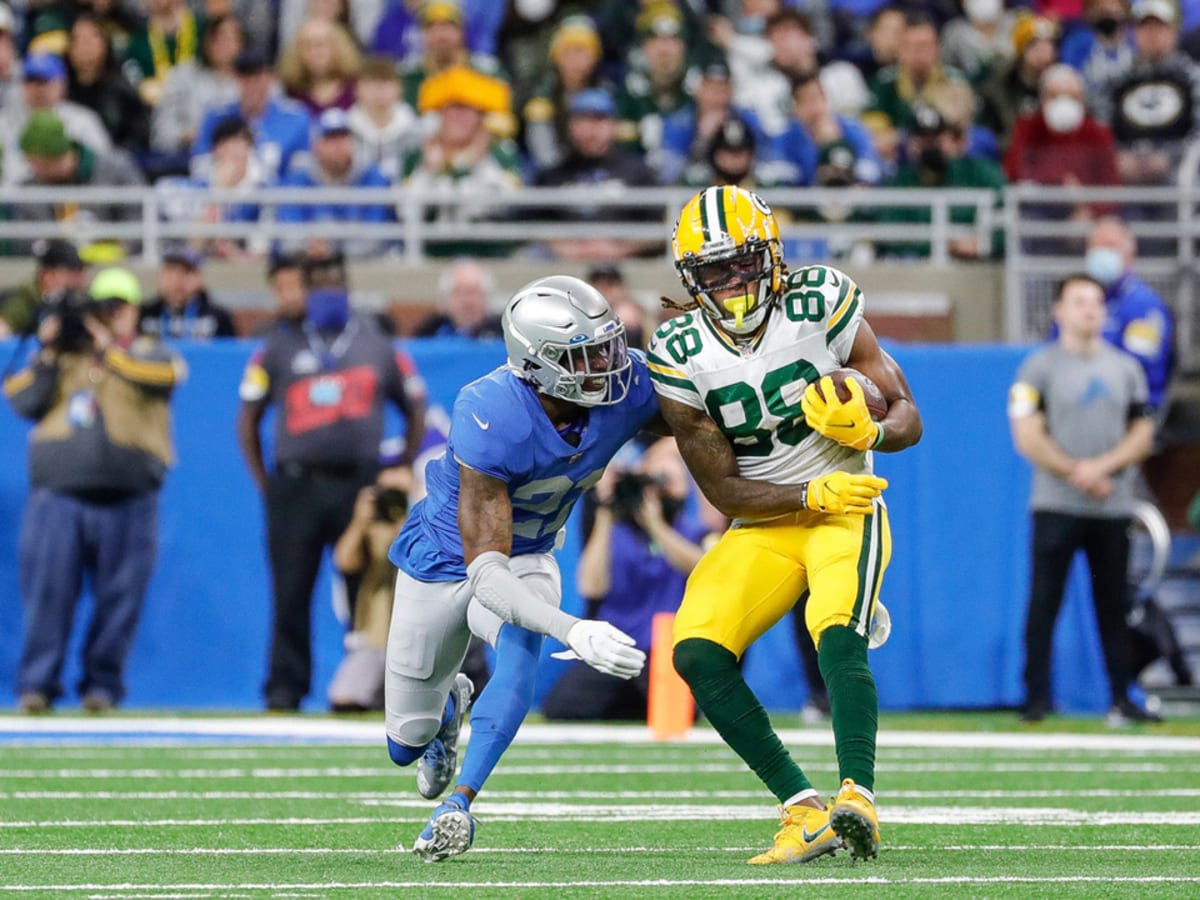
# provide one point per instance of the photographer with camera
(58, 268)
(99, 452)
(635, 563)
(360, 556)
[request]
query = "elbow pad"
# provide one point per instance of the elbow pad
(501, 592)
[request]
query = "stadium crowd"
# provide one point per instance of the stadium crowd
(479, 97)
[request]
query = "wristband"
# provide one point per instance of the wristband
(879, 438)
(804, 494)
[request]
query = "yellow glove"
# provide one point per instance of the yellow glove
(849, 423)
(843, 493)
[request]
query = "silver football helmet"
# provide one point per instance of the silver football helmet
(564, 338)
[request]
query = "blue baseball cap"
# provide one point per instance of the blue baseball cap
(183, 255)
(43, 67)
(593, 102)
(333, 121)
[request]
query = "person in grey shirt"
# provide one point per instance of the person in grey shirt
(1079, 413)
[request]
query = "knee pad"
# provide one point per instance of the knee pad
(697, 659)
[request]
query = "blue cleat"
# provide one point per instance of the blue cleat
(435, 769)
(450, 831)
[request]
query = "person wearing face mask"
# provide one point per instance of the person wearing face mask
(643, 544)
(330, 379)
(1103, 50)
(936, 158)
(1138, 319)
(1059, 143)
(980, 41)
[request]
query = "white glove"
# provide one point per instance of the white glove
(603, 647)
(881, 627)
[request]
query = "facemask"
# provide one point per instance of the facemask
(1107, 26)
(751, 25)
(328, 309)
(1063, 114)
(983, 11)
(1104, 264)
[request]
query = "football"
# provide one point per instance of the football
(876, 404)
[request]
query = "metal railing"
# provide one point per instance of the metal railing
(1045, 241)
(423, 219)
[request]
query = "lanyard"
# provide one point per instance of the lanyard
(329, 354)
(185, 44)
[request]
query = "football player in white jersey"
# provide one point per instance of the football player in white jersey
(737, 379)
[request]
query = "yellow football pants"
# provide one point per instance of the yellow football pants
(753, 575)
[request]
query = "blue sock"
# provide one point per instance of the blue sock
(448, 712)
(458, 800)
(402, 754)
(503, 705)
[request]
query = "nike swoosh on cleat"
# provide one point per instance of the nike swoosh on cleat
(482, 424)
(809, 838)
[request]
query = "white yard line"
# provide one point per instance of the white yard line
(302, 728)
(358, 796)
(519, 851)
(491, 811)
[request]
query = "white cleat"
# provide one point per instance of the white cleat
(450, 831)
(436, 767)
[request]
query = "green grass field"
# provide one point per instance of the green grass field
(971, 806)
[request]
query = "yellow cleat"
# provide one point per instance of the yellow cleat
(854, 819)
(805, 834)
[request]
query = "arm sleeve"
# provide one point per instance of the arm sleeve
(500, 591)
(31, 390)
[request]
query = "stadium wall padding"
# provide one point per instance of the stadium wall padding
(956, 586)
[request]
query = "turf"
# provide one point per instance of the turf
(1017, 814)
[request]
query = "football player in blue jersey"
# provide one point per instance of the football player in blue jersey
(475, 554)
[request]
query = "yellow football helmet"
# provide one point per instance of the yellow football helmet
(727, 237)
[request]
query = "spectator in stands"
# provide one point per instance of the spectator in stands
(730, 158)
(10, 67)
(58, 268)
(957, 102)
(385, 127)
(1153, 108)
(182, 309)
(285, 276)
(236, 167)
(882, 45)
(330, 381)
(688, 132)
(171, 35)
(936, 159)
(918, 70)
(280, 126)
(642, 546)
(596, 161)
(657, 83)
(1078, 413)
(463, 154)
(361, 558)
(99, 451)
(575, 54)
(319, 67)
(54, 159)
(193, 88)
(96, 83)
(816, 126)
(980, 41)
(443, 46)
(47, 24)
(1138, 320)
(1012, 91)
(1060, 143)
(463, 292)
(608, 279)
(44, 89)
(1104, 50)
(333, 164)
(358, 18)
(767, 89)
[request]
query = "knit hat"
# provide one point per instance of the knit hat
(45, 136)
(116, 284)
(441, 11)
(465, 87)
(1029, 28)
(575, 31)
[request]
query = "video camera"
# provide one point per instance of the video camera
(71, 307)
(628, 492)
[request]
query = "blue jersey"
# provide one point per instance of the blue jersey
(499, 428)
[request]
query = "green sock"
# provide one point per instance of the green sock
(720, 690)
(852, 701)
